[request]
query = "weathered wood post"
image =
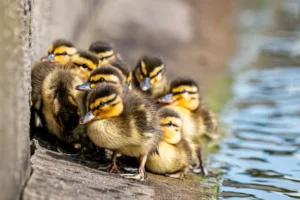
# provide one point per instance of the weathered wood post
(14, 97)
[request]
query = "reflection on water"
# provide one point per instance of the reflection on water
(260, 157)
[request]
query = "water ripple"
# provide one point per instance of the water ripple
(260, 157)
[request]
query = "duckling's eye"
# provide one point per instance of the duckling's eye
(101, 80)
(169, 124)
(101, 104)
(101, 58)
(64, 53)
(183, 91)
(84, 66)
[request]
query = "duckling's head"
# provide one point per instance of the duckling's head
(184, 93)
(104, 101)
(103, 75)
(83, 62)
(104, 51)
(170, 124)
(60, 51)
(150, 72)
(124, 70)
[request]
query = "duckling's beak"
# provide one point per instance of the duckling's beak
(168, 98)
(145, 84)
(84, 87)
(87, 118)
(50, 57)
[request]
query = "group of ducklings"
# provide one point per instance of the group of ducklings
(134, 113)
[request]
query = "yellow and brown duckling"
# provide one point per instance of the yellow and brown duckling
(83, 63)
(124, 122)
(103, 75)
(173, 156)
(198, 121)
(60, 51)
(56, 100)
(185, 93)
(149, 76)
(104, 51)
(124, 70)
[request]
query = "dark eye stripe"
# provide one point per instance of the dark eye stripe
(111, 100)
(142, 71)
(98, 81)
(107, 102)
(106, 57)
(167, 125)
(175, 93)
(60, 54)
(80, 65)
(115, 103)
(160, 71)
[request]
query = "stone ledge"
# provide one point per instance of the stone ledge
(57, 176)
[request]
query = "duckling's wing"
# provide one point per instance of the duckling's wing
(210, 122)
(145, 123)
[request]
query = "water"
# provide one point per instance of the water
(260, 155)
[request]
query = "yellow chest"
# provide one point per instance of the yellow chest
(105, 135)
(193, 126)
(169, 160)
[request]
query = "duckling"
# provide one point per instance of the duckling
(83, 62)
(185, 94)
(39, 72)
(149, 76)
(103, 75)
(55, 99)
(185, 99)
(173, 155)
(60, 51)
(107, 55)
(104, 51)
(124, 122)
(124, 70)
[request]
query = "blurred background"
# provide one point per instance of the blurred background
(195, 38)
(244, 53)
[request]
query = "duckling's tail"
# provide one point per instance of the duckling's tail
(211, 123)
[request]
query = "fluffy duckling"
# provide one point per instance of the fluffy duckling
(55, 99)
(39, 72)
(107, 55)
(185, 94)
(173, 155)
(124, 70)
(60, 51)
(124, 122)
(83, 63)
(103, 75)
(185, 99)
(149, 76)
(104, 51)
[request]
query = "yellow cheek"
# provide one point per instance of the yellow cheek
(93, 85)
(171, 135)
(159, 78)
(83, 73)
(62, 59)
(182, 102)
(111, 58)
(93, 66)
(103, 62)
(155, 80)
